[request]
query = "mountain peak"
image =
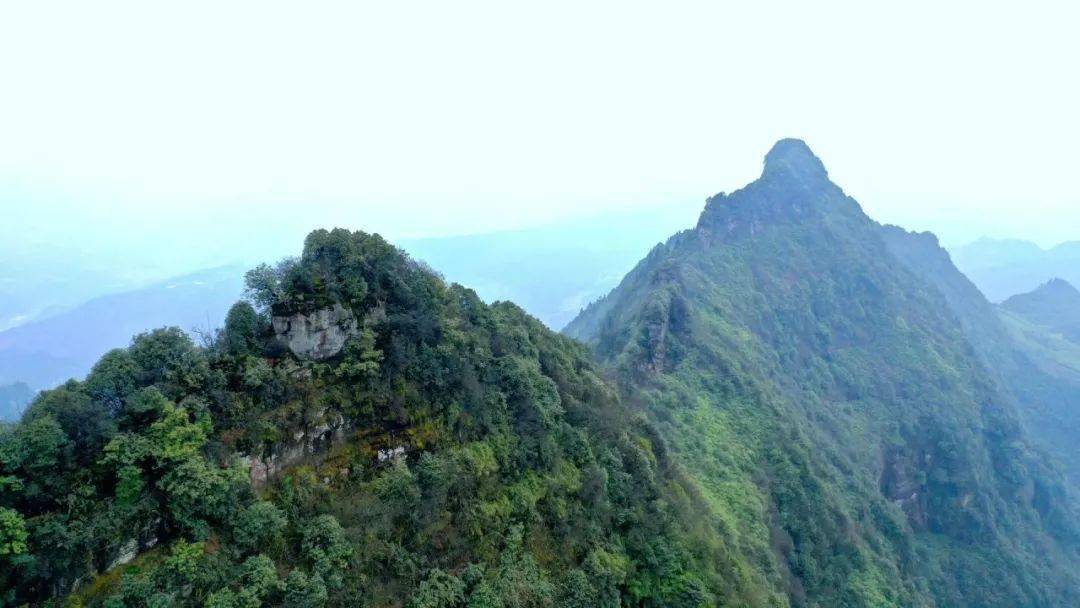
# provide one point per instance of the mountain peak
(1058, 286)
(1054, 304)
(1056, 290)
(793, 157)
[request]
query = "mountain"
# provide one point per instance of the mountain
(43, 276)
(369, 436)
(996, 253)
(1004, 268)
(1035, 368)
(786, 405)
(552, 271)
(1054, 305)
(1045, 324)
(37, 281)
(13, 400)
(45, 352)
(832, 406)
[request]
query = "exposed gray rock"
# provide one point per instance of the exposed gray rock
(128, 552)
(391, 453)
(318, 335)
(306, 443)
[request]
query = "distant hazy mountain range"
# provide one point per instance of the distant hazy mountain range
(13, 399)
(1005, 267)
(553, 272)
(51, 350)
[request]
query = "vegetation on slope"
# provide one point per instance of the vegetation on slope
(1054, 305)
(477, 460)
(1034, 365)
(833, 410)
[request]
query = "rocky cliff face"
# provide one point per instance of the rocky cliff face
(309, 442)
(318, 335)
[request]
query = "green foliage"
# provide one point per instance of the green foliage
(303, 591)
(835, 413)
(453, 454)
(183, 562)
(439, 590)
(142, 407)
(12, 533)
(115, 376)
(260, 528)
(325, 547)
(243, 330)
(758, 449)
(473, 435)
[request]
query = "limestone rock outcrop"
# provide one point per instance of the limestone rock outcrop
(318, 335)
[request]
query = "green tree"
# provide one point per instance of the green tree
(142, 407)
(13, 533)
(198, 493)
(243, 328)
(439, 590)
(168, 357)
(266, 285)
(182, 564)
(113, 378)
(324, 545)
(575, 590)
(260, 528)
(303, 591)
(86, 423)
(33, 459)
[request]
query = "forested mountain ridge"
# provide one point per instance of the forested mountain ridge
(788, 410)
(50, 350)
(830, 404)
(1037, 368)
(420, 449)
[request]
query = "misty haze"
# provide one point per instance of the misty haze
(494, 305)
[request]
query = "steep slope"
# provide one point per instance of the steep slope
(1054, 305)
(830, 404)
(1038, 372)
(45, 352)
(372, 436)
(1058, 358)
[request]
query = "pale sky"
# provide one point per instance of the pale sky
(126, 126)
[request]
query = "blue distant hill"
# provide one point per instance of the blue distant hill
(51, 350)
(553, 272)
(1002, 268)
(13, 400)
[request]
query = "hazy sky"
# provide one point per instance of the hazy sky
(128, 126)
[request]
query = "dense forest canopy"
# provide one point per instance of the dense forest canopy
(452, 454)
